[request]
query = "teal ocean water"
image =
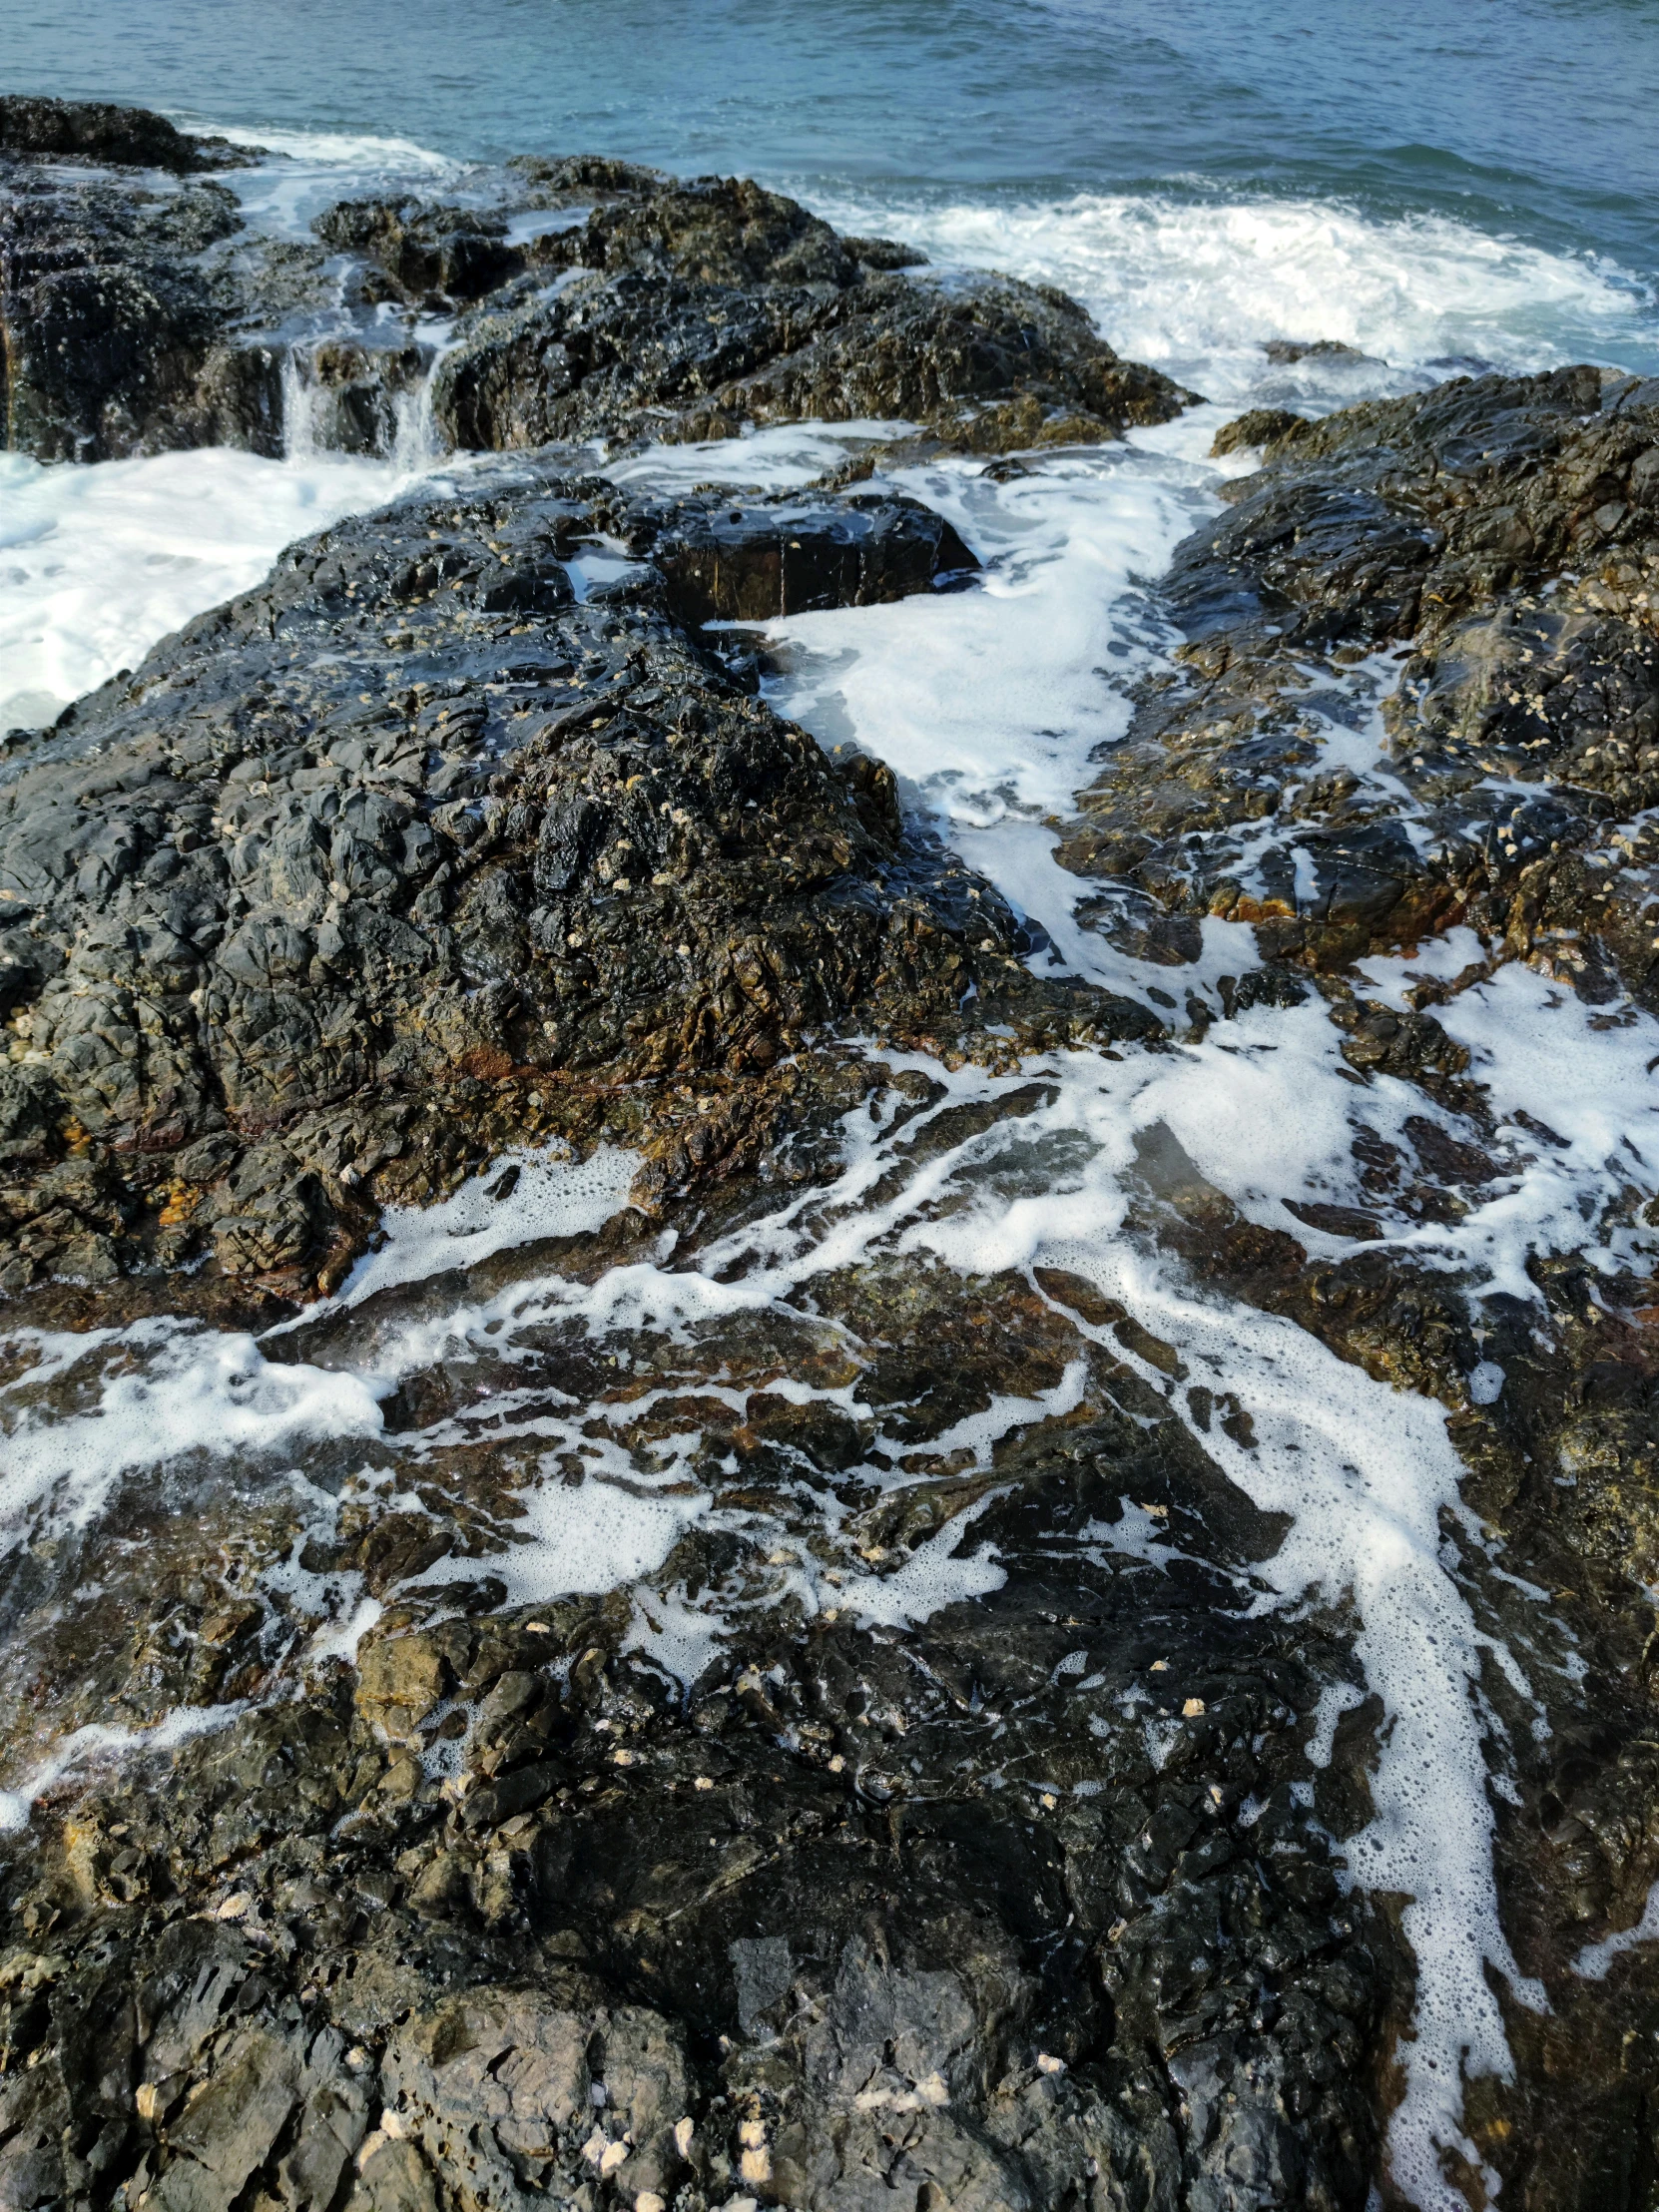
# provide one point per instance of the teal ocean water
(1488, 166)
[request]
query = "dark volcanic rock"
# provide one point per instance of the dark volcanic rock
(427, 251)
(134, 321)
(717, 303)
(95, 130)
(1505, 531)
(756, 563)
(1019, 1908)
(122, 302)
(1261, 426)
(1475, 569)
(408, 822)
(461, 834)
(109, 316)
(137, 316)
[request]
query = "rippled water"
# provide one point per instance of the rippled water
(1530, 115)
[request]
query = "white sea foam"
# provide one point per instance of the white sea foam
(1589, 1082)
(356, 153)
(1137, 1534)
(935, 1574)
(994, 704)
(341, 1638)
(160, 1391)
(1193, 282)
(1365, 1476)
(98, 564)
(541, 222)
(992, 700)
(775, 458)
(100, 1743)
(1595, 1959)
(550, 1195)
(313, 169)
(1198, 284)
(588, 1537)
(991, 706)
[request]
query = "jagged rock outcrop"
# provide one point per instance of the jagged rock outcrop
(461, 834)
(1026, 1906)
(1500, 533)
(410, 822)
(716, 302)
(99, 131)
(138, 318)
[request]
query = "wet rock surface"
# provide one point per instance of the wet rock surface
(408, 854)
(566, 299)
(991, 1847)
(1476, 570)
(716, 304)
(137, 314)
(1497, 539)
(1022, 1906)
(100, 133)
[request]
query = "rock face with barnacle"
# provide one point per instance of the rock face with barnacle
(1495, 537)
(304, 912)
(466, 833)
(139, 312)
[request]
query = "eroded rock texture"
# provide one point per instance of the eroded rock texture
(843, 1923)
(1480, 565)
(140, 312)
(1504, 531)
(717, 303)
(284, 923)
(411, 856)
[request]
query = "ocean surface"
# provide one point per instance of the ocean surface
(1439, 186)
(1426, 178)
(1524, 118)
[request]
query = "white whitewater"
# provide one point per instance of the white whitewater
(1199, 285)
(98, 564)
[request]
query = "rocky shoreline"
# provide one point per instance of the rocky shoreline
(465, 835)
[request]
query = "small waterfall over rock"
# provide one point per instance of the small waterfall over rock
(342, 394)
(298, 429)
(419, 439)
